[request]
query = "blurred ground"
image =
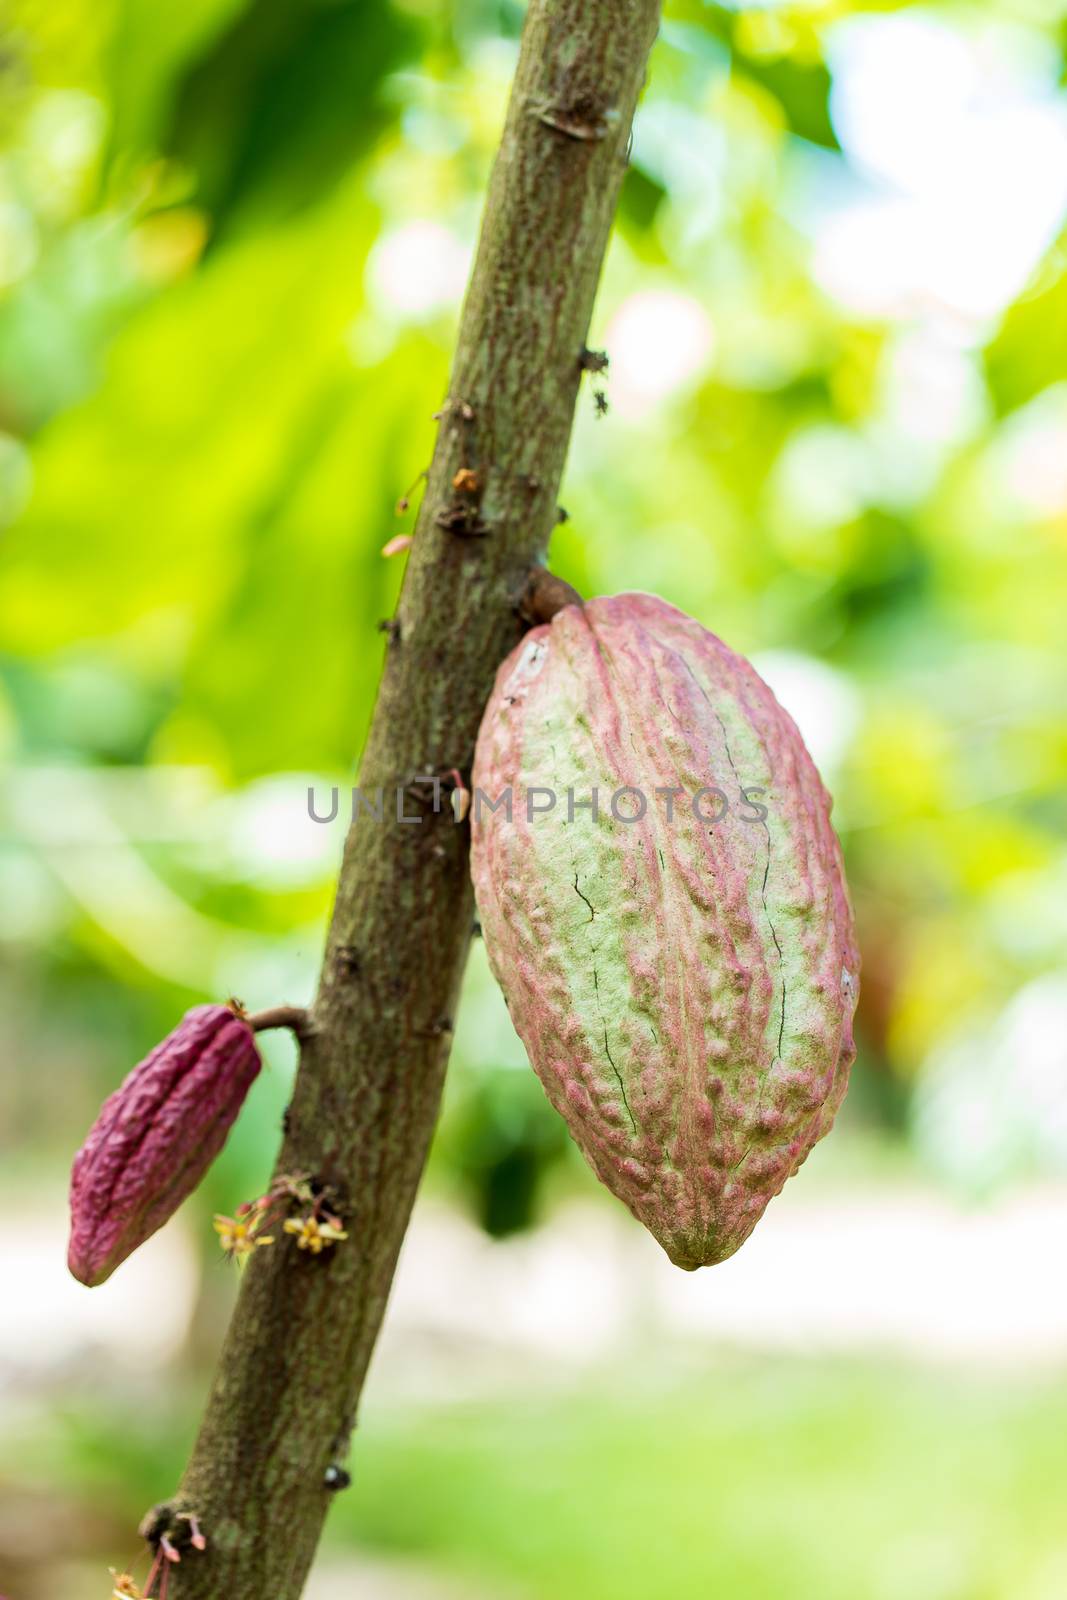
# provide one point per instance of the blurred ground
(870, 1397)
(333, 1579)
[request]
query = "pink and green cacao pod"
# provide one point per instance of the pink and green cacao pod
(156, 1136)
(684, 983)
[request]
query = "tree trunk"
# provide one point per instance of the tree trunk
(284, 1400)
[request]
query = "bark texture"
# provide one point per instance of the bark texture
(284, 1399)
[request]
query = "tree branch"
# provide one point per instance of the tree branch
(284, 1400)
(292, 1017)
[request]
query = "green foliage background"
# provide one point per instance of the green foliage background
(210, 402)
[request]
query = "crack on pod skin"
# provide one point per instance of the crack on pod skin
(607, 1051)
(763, 887)
(605, 656)
(596, 978)
(609, 666)
(581, 896)
(767, 869)
(774, 936)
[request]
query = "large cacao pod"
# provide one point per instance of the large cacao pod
(156, 1136)
(684, 982)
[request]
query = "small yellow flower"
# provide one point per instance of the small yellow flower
(314, 1235)
(123, 1586)
(238, 1237)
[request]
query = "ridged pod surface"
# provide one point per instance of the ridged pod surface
(156, 1136)
(684, 985)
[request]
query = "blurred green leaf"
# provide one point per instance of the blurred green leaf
(1029, 351)
(285, 102)
(150, 48)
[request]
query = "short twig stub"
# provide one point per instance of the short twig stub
(583, 121)
(543, 595)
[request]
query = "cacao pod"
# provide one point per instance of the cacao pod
(156, 1136)
(684, 982)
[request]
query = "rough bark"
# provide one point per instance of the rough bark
(284, 1399)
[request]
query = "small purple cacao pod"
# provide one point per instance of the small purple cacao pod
(665, 910)
(156, 1136)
